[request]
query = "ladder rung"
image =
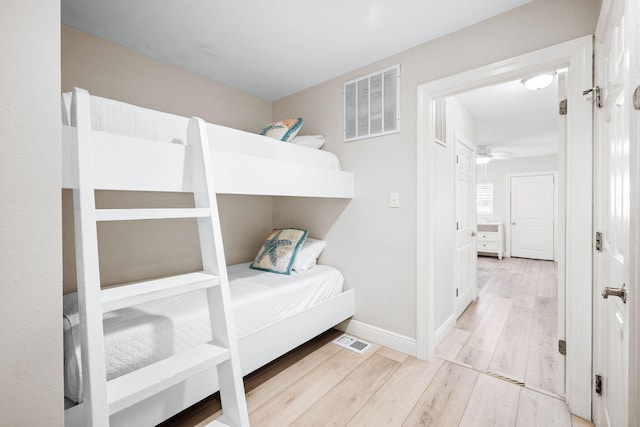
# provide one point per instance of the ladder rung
(131, 294)
(136, 386)
(138, 214)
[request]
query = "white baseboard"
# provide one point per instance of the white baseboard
(444, 329)
(395, 341)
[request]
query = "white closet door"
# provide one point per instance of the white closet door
(532, 214)
(465, 269)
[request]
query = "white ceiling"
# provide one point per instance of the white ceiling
(515, 120)
(275, 48)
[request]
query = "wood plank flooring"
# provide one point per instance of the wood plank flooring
(511, 329)
(321, 384)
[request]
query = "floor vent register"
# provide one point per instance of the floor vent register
(352, 344)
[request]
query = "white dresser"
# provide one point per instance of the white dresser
(490, 239)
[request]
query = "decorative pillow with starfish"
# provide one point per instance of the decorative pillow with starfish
(279, 251)
(284, 130)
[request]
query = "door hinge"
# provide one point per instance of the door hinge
(562, 108)
(597, 95)
(456, 292)
(598, 384)
(457, 226)
(457, 159)
(598, 241)
(636, 98)
(562, 347)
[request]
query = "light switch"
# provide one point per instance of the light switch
(394, 200)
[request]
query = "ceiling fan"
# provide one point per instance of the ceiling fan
(485, 154)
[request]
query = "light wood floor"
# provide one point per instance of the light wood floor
(321, 384)
(511, 330)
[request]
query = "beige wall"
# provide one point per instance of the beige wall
(112, 71)
(372, 244)
(133, 252)
(30, 239)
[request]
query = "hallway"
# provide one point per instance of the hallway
(510, 331)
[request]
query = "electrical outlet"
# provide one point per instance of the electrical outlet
(394, 200)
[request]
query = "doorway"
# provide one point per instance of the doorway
(510, 330)
(577, 56)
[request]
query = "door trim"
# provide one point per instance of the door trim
(579, 313)
(507, 225)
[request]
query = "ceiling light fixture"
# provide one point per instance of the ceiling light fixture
(539, 81)
(482, 159)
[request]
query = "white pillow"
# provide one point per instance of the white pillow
(310, 141)
(308, 254)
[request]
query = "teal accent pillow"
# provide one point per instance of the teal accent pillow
(279, 250)
(284, 130)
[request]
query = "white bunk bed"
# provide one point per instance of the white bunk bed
(308, 304)
(243, 162)
(157, 163)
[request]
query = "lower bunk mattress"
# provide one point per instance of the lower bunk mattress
(141, 335)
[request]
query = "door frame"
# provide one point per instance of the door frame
(507, 225)
(579, 280)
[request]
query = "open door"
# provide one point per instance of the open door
(578, 229)
(612, 220)
(466, 255)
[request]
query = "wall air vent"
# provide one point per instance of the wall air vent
(371, 104)
(352, 344)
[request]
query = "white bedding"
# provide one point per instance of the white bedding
(118, 117)
(143, 334)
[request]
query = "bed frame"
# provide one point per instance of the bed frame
(233, 174)
(256, 350)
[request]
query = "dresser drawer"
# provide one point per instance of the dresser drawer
(487, 246)
(487, 236)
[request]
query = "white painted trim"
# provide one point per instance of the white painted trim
(553, 57)
(445, 328)
(380, 336)
(579, 232)
(507, 225)
(425, 205)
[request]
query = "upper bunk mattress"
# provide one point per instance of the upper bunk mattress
(141, 335)
(112, 116)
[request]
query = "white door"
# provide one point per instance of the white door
(465, 249)
(612, 213)
(532, 214)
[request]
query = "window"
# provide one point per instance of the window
(371, 104)
(484, 199)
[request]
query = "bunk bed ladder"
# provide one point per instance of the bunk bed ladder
(103, 398)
